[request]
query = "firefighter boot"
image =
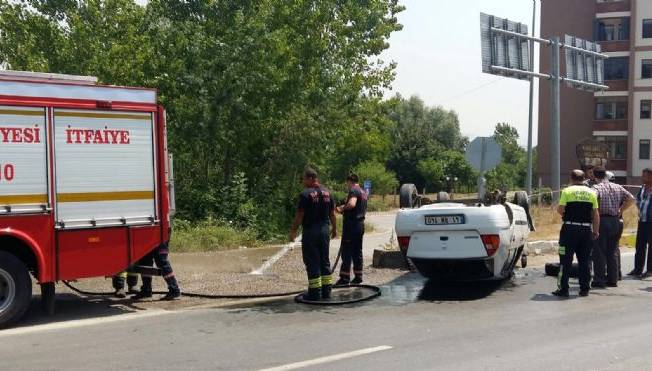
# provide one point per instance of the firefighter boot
(120, 293)
(326, 292)
(314, 294)
(145, 290)
(174, 293)
(357, 280)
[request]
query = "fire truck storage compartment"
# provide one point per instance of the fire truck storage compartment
(23, 160)
(105, 173)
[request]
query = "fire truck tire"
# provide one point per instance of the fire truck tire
(15, 289)
(408, 196)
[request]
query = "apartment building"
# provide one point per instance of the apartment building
(620, 117)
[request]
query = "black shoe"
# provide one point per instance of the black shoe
(584, 292)
(597, 285)
(634, 273)
(560, 293)
(172, 295)
(644, 275)
(357, 280)
(326, 292)
(612, 284)
(313, 295)
(132, 290)
(342, 282)
(142, 295)
(120, 293)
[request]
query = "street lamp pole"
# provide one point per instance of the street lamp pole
(528, 181)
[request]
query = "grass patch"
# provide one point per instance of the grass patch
(368, 227)
(210, 235)
(548, 223)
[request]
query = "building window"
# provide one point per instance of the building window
(647, 28)
(644, 149)
(646, 109)
(617, 147)
(610, 109)
(646, 70)
(612, 29)
(616, 68)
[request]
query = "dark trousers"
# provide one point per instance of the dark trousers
(574, 240)
(160, 257)
(119, 280)
(352, 235)
(643, 247)
(605, 255)
(315, 242)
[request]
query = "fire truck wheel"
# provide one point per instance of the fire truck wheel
(15, 289)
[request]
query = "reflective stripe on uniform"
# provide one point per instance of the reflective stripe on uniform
(327, 280)
(561, 270)
(122, 275)
(314, 283)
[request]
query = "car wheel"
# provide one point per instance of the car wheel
(15, 289)
(443, 196)
(408, 196)
(522, 199)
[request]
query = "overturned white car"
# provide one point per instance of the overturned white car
(453, 241)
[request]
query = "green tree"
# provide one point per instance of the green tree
(383, 182)
(511, 173)
(254, 90)
(420, 133)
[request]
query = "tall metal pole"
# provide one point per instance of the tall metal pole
(528, 179)
(555, 118)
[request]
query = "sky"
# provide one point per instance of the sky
(438, 57)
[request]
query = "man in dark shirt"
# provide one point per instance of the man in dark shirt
(315, 213)
(578, 206)
(354, 211)
(643, 255)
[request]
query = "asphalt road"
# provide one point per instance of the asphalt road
(415, 325)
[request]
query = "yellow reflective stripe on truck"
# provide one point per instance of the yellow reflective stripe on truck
(98, 115)
(18, 112)
(105, 196)
(23, 199)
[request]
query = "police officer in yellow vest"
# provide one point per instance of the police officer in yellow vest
(578, 206)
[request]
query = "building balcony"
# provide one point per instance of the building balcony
(615, 46)
(613, 6)
(617, 85)
(610, 125)
(618, 165)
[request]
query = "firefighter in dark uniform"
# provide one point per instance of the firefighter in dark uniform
(578, 206)
(316, 214)
(159, 256)
(354, 211)
(119, 280)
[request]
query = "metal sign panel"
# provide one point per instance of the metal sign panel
(503, 50)
(484, 153)
(583, 64)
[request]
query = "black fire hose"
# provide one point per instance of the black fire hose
(374, 289)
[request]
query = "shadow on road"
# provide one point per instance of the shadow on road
(460, 291)
(70, 307)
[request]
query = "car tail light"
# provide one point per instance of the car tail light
(403, 243)
(491, 243)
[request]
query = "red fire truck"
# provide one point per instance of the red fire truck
(85, 182)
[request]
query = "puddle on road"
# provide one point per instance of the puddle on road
(407, 289)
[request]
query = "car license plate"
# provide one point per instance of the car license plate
(444, 219)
